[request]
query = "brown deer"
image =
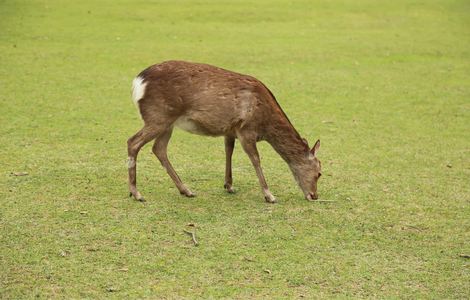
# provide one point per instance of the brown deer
(208, 100)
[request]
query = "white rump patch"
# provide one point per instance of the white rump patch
(138, 89)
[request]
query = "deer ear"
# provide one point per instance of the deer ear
(315, 148)
(305, 144)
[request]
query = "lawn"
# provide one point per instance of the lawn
(385, 85)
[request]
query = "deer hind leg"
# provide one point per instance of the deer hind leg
(134, 144)
(160, 150)
(229, 146)
(248, 142)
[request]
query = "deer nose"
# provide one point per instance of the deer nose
(312, 196)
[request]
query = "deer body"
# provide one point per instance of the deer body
(207, 100)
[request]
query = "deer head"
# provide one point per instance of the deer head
(307, 171)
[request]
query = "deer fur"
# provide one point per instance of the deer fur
(208, 100)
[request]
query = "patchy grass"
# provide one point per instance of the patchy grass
(384, 85)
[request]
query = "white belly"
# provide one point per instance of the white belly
(188, 125)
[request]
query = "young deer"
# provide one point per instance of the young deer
(207, 100)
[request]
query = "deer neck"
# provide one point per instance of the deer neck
(286, 141)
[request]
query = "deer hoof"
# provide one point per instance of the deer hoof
(229, 189)
(137, 196)
(188, 194)
(270, 199)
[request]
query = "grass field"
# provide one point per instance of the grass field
(385, 85)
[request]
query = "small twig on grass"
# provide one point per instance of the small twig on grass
(464, 255)
(413, 227)
(322, 200)
(19, 173)
(193, 236)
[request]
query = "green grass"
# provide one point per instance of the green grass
(384, 85)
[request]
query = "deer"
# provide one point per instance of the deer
(211, 101)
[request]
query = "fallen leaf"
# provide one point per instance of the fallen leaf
(267, 271)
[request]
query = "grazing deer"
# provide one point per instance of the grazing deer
(208, 100)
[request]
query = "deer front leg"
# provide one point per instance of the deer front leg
(229, 145)
(249, 145)
(160, 150)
